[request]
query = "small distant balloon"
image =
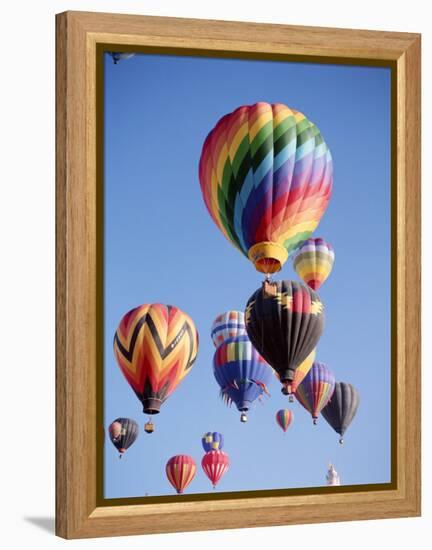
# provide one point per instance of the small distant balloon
(215, 464)
(316, 389)
(212, 441)
(284, 418)
(119, 56)
(180, 471)
(313, 262)
(342, 407)
(123, 433)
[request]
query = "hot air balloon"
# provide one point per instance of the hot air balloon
(215, 464)
(155, 346)
(316, 389)
(284, 417)
(342, 407)
(118, 56)
(123, 433)
(266, 177)
(313, 262)
(227, 325)
(290, 387)
(212, 441)
(180, 470)
(284, 321)
(241, 373)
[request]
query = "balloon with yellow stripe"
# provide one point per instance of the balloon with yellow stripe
(180, 471)
(313, 262)
(155, 346)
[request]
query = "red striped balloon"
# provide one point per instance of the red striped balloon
(284, 417)
(180, 470)
(215, 464)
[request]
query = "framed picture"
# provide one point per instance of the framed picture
(238, 258)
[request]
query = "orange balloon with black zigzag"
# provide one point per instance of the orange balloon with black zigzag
(155, 346)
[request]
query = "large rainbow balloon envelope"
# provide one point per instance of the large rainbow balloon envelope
(266, 177)
(313, 262)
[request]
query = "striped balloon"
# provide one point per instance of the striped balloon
(227, 325)
(155, 346)
(314, 261)
(284, 417)
(242, 374)
(212, 441)
(215, 464)
(316, 389)
(266, 177)
(180, 470)
(123, 433)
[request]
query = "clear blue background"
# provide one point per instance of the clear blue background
(162, 246)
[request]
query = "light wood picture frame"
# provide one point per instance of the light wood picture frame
(81, 38)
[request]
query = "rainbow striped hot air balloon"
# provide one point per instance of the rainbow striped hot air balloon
(266, 177)
(227, 325)
(284, 418)
(316, 389)
(155, 346)
(180, 471)
(313, 262)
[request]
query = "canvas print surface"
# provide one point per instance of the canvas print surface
(246, 275)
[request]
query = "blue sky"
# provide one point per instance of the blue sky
(160, 245)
